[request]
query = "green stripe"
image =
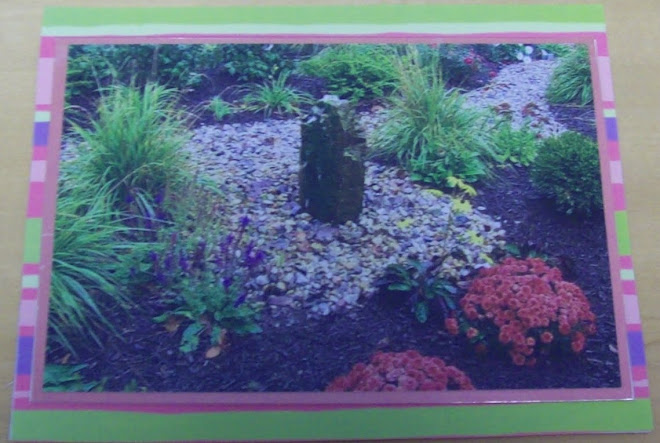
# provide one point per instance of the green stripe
(627, 274)
(609, 112)
(93, 426)
(32, 252)
(622, 233)
(297, 15)
(30, 281)
(42, 116)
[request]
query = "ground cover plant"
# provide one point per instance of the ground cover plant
(185, 260)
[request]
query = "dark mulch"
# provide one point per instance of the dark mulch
(580, 119)
(294, 353)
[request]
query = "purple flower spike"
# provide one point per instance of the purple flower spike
(183, 262)
(168, 262)
(226, 282)
(153, 256)
(244, 221)
(160, 278)
(240, 300)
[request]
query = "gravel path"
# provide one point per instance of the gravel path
(519, 91)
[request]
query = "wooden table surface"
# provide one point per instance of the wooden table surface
(633, 26)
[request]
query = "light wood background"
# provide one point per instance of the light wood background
(633, 27)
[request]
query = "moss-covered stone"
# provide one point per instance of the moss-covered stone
(332, 162)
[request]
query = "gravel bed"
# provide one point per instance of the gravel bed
(318, 266)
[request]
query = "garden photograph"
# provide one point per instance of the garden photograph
(329, 218)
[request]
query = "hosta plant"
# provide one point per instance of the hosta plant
(525, 307)
(414, 283)
(402, 371)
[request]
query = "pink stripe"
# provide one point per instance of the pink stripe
(639, 373)
(616, 174)
(22, 404)
(619, 197)
(626, 262)
(45, 81)
(40, 153)
(21, 394)
(22, 383)
(36, 202)
(629, 287)
(642, 392)
(605, 77)
(38, 171)
(26, 331)
(41, 107)
(47, 47)
(632, 309)
(28, 313)
(608, 105)
(29, 294)
(601, 44)
(613, 150)
(634, 327)
(30, 268)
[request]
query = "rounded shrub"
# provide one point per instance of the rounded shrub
(401, 371)
(527, 308)
(567, 169)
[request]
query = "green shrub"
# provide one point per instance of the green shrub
(87, 252)
(515, 146)
(274, 97)
(355, 71)
(134, 146)
(258, 62)
(220, 108)
(430, 131)
(567, 169)
(571, 80)
(455, 63)
(91, 67)
(557, 49)
(501, 52)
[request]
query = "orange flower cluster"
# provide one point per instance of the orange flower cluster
(403, 371)
(531, 305)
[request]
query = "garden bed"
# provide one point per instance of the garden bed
(214, 247)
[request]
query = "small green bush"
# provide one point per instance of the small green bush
(220, 108)
(571, 80)
(249, 63)
(515, 146)
(355, 71)
(430, 131)
(274, 97)
(567, 169)
(134, 146)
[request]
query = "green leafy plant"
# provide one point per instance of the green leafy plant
(517, 146)
(571, 80)
(67, 378)
(567, 169)
(258, 62)
(275, 97)
(430, 131)
(501, 52)
(206, 283)
(134, 146)
(87, 252)
(415, 283)
(220, 108)
(557, 49)
(355, 71)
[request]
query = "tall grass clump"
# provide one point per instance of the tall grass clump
(275, 96)
(86, 255)
(429, 130)
(571, 80)
(134, 145)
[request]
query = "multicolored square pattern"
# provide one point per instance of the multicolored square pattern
(66, 421)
